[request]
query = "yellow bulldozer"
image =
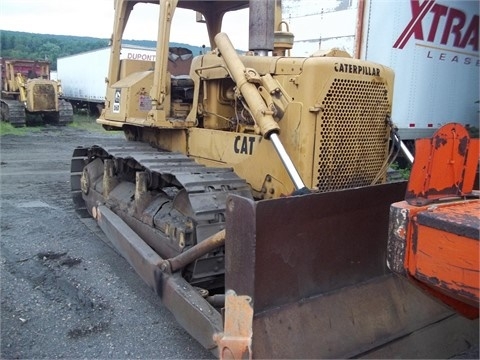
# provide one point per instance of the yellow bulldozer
(30, 96)
(251, 194)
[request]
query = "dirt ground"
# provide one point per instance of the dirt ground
(64, 292)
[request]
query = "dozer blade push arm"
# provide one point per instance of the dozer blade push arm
(262, 114)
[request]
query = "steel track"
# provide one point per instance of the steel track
(13, 111)
(199, 196)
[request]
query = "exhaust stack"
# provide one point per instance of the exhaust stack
(261, 26)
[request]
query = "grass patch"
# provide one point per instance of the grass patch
(86, 122)
(8, 129)
(403, 171)
(80, 121)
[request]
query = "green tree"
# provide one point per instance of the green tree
(49, 51)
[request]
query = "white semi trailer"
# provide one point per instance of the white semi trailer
(83, 75)
(432, 45)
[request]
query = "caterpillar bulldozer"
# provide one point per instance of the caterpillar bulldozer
(29, 96)
(251, 194)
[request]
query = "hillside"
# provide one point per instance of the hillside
(23, 45)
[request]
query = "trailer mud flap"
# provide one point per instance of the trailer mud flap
(314, 268)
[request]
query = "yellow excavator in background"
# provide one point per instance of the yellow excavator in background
(252, 194)
(29, 95)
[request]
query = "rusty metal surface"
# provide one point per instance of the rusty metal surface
(76, 167)
(436, 247)
(170, 201)
(143, 259)
(460, 218)
(397, 235)
(444, 253)
(190, 255)
(358, 321)
(434, 233)
(315, 267)
(348, 244)
(190, 309)
(236, 340)
(444, 165)
(436, 341)
(261, 25)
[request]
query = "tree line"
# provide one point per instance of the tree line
(32, 46)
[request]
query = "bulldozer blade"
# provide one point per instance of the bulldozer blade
(314, 267)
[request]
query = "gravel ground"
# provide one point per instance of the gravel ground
(65, 293)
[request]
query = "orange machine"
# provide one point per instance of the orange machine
(434, 233)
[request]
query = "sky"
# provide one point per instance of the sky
(94, 18)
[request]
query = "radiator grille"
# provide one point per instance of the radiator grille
(44, 97)
(353, 134)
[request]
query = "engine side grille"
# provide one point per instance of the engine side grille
(353, 134)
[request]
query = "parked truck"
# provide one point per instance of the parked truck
(83, 75)
(431, 45)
